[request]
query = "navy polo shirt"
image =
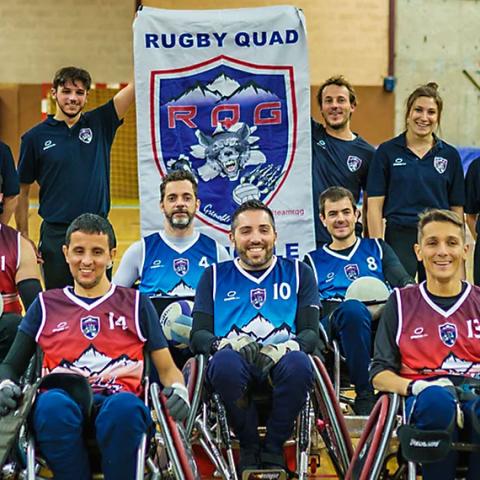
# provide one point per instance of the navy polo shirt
(71, 165)
(10, 184)
(472, 190)
(336, 162)
(410, 184)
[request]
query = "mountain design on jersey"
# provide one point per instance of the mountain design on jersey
(261, 330)
(454, 365)
(182, 289)
(101, 370)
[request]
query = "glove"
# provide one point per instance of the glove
(177, 401)
(10, 394)
(419, 386)
(270, 354)
(243, 344)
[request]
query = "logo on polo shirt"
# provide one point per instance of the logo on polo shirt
(354, 163)
(440, 164)
(399, 162)
(85, 135)
(48, 144)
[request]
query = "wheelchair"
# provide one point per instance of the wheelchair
(319, 424)
(379, 453)
(163, 454)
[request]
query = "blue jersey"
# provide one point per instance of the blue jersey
(335, 272)
(264, 308)
(171, 272)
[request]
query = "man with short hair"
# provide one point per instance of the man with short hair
(102, 332)
(68, 155)
(169, 263)
(19, 279)
(428, 341)
(339, 156)
(336, 265)
(258, 315)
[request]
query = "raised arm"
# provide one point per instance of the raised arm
(124, 99)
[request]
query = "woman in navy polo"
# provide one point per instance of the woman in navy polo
(412, 172)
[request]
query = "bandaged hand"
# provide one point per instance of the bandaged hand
(243, 344)
(10, 394)
(178, 404)
(419, 386)
(270, 355)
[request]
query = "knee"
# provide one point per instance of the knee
(123, 411)
(56, 411)
(225, 368)
(353, 314)
(294, 369)
(434, 409)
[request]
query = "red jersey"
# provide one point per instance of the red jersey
(435, 342)
(101, 341)
(9, 262)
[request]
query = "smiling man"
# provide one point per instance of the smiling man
(258, 315)
(68, 155)
(102, 332)
(428, 341)
(338, 264)
(340, 157)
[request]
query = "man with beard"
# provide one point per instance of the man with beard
(336, 265)
(258, 315)
(339, 156)
(170, 263)
(68, 155)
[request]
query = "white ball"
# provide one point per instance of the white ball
(176, 322)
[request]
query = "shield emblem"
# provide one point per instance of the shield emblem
(258, 297)
(233, 125)
(448, 334)
(180, 265)
(354, 163)
(85, 135)
(440, 164)
(90, 327)
(352, 271)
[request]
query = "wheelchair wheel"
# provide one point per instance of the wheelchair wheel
(368, 461)
(176, 442)
(194, 375)
(331, 424)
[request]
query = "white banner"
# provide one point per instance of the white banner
(226, 94)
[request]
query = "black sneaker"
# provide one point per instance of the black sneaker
(364, 403)
(249, 459)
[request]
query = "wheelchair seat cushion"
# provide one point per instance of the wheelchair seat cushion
(76, 386)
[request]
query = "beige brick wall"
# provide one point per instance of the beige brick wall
(38, 37)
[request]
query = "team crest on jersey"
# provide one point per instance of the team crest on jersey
(181, 265)
(352, 271)
(354, 163)
(232, 125)
(90, 327)
(258, 297)
(440, 164)
(448, 334)
(85, 135)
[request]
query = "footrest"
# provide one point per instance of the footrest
(268, 474)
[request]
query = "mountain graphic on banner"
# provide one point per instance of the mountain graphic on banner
(262, 331)
(223, 88)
